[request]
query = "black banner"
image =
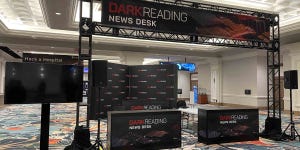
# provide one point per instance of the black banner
(153, 83)
(186, 20)
(146, 87)
(52, 59)
(139, 130)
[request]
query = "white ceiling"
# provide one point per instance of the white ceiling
(51, 26)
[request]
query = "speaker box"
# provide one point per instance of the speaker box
(272, 126)
(81, 139)
(99, 73)
(291, 79)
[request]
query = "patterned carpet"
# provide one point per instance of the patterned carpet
(20, 129)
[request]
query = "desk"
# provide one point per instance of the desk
(227, 124)
(202, 99)
(193, 108)
(141, 129)
(193, 111)
(190, 113)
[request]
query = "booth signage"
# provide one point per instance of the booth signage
(146, 104)
(133, 130)
(52, 59)
(185, 20)
(227, 125)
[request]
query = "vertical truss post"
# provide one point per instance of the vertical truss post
(273, 121)
(274, 104)
(85, 31)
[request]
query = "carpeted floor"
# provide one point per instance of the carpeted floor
(20, 129)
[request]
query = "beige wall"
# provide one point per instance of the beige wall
(245, 72)
(204, 78)
(291, 61)
(184, 84)
(2, 73)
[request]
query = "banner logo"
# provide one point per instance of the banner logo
(185, 20)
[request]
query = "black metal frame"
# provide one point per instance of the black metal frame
(10, 52)
(84, 32)
(100, 29)
(273, 65)
(293, 132)
(89, 28)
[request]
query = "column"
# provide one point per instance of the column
(204, 78)
(2, 67)
(295, 65)
(216, 80)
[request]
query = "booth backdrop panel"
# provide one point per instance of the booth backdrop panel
(153, 83)
(146, 87)
(134, 130)
(27, 83)
(221, 125)
(111, 95)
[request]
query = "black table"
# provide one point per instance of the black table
(220, 124)
(144, 129)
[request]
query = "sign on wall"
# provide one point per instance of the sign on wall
(52, 59)
(176, 19)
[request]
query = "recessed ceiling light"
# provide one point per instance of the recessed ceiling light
(58, 13)
(52, 47)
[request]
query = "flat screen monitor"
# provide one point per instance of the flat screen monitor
(191, 67)
(28, 83)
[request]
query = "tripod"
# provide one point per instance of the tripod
(294, 134)
(98, 142)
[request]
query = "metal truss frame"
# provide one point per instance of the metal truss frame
(273, 81)
(103, 30)
(88, 28)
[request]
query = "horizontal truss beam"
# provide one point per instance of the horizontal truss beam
(99, 29)
(104, 30)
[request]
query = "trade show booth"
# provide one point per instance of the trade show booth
(223, 26)
(139, 101)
